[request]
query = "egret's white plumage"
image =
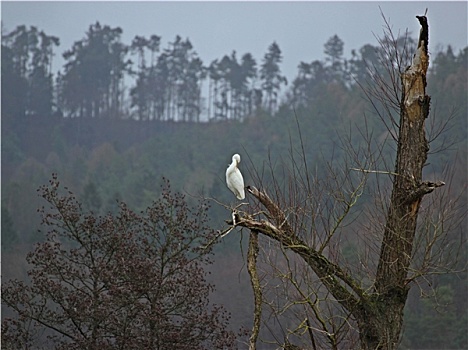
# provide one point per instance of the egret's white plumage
(234, 179)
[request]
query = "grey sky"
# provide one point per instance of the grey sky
(217, 28)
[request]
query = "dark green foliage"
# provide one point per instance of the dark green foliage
(27, 87)
(14, 91)
(270, 74)
(91, 198)
(90, 86)
(449, 85)
(9, 235)
(170, 88)
(333, 50)
(439, 322)
(231, 90)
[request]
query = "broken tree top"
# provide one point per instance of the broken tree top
(424, 33)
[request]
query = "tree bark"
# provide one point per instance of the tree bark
(378, 311)
(391, 286)
(252, 268)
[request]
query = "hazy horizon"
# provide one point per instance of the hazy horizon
(216, 29)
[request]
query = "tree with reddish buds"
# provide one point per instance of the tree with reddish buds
(129, 281)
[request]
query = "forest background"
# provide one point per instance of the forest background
(112, 138)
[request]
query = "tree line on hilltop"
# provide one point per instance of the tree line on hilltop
(167, 82)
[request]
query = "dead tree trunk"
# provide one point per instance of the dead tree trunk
(408, 190)
(379, 311)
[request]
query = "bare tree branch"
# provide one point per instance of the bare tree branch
(252, 255)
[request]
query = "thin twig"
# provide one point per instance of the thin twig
(367, 171)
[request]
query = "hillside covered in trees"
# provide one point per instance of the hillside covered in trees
(120, 117)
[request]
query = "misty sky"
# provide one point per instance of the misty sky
(217, 28)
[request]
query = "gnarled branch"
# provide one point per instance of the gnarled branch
(331, 275)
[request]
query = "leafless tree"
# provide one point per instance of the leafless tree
(340, 267)
(124, 281)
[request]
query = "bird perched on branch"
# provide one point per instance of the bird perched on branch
(234, 179)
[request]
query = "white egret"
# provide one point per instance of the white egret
(234, 179)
